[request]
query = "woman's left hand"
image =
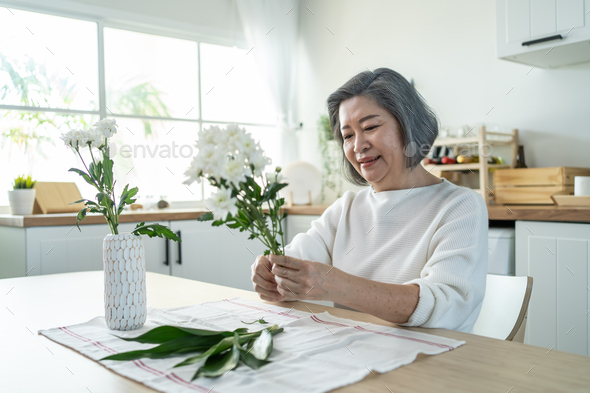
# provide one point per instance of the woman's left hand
(298, 279)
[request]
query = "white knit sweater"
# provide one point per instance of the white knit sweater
(434, 236)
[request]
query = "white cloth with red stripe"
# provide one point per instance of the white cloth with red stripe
(315, 353)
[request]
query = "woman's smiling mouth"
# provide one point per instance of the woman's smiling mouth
(367, 163)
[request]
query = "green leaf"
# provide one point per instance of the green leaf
(104, 200)
(219, 364)
(206, 217)
(261, 321)
(168, 348)
(234, 225)
(221, 346)
(203, 332)
(227, 343)
(158, 335)
(84, 175)
(250, 360)
(127, 198)
(218, 223)
(108, 171)
(81, 216)
(78, 201)
(155, 230)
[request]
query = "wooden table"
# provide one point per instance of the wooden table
(33, 363)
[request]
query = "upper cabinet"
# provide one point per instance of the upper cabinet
(543, 33)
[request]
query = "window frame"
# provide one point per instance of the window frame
(143, 24)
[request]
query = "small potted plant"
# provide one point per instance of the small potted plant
(22, 197)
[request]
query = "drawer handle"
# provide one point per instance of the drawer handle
(167, 261)
(538, 41)
(179, 261)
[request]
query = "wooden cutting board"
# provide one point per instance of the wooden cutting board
(571, 200)
(52, 197)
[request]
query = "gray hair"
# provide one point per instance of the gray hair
(391, 91)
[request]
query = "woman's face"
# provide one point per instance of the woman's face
(372, 142)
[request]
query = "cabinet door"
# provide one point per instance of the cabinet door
(157, 258)
(556, 256)
(569, 14)
(217, 255)
(63, 249)
(543, 15)
(517, 14)
(299, 223)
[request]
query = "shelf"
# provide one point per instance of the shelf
(471, 140)
(462, 167)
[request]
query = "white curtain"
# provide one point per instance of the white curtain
(271, 28)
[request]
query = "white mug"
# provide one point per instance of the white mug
(582, 185)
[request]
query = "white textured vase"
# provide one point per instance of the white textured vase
(125, 302)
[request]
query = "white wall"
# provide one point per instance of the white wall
(449, 49)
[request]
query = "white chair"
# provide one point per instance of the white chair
(504, 309)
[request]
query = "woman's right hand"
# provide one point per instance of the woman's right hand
(264, 280)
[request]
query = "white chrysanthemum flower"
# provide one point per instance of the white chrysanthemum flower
(260, 161)
(274, 177)
(209, 137)
(68, 139)
(194, 172)
(95, 138)
(232, 131)
(107, 127)
(235, 171)
(222, 204)
(227, 153)
(245, 144)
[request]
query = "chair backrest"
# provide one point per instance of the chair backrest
(504, 306)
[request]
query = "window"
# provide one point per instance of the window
(161, 90)
(46, 88)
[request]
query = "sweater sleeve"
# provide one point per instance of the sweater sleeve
(452, 282)
(317, 244)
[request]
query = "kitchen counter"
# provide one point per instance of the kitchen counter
(41, 220)
(539, 213)
(495, 212)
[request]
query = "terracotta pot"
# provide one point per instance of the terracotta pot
(125, 301)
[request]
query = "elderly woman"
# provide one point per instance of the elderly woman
(411, 248)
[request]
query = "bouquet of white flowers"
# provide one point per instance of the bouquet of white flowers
(99, 174)
(231, 160)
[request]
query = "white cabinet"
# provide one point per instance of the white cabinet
(157, 257)
(556, 255)
(543, 33)
(298, 224)
(217, 255)
(62, 249)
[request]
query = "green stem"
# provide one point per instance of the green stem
(246, 208)
(88, 170)
(258, 220)
(280, 219)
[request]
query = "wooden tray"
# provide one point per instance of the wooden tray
(571, 200)
(534, 185)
